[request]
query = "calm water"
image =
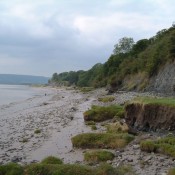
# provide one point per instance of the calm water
(15, 93)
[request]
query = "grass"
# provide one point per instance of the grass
(102, 113)
(93, 127)
(86, 89)
(98, 156)
(90, 123)
(11, 169)
(117, 127)
(101, 140)
(52, 160)
(106, 99)
(58, 169)
(164, 145)
(156, 101)
(37, 131)
(171, 171)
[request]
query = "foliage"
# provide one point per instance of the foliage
(155, 101)
(145, 56)
(124, 45)
(37, 131)
(51, 160)
(57, 169)
(171, 171)
(98, 156)
(102, 113)
(164, 145)
(11, 169)
(101, 140)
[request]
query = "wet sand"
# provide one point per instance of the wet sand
(59, 116)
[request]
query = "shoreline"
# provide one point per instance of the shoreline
(59, 116)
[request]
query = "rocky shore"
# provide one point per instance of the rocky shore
(42, 126)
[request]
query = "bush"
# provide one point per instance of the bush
(148, 146)
(51, 160)
(98, 156)
(102, 113)
(101, 140)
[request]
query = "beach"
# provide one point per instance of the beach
(44, 125)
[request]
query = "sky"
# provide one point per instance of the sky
(41, 37)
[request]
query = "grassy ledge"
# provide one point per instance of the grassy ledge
(101, 140)
(164, 145)
(155, 101)
(102, 113)
(97, 156)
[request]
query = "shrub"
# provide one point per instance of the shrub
(101, 140)
(102, 113)
(98, 156)
(51, 160)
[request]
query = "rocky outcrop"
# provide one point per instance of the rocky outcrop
(164, 81)
(150, 117)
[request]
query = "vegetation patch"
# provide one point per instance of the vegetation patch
(37, 131)
(93, 127)
(90, 123)
(164, 145)
(11, 169)
(58, 169)
(98, 156)
(101, 140)
(117, 127)
(171, 171)
(52, 160)
(155, 101)
(106, 99)
(86, 89)
(102, 113)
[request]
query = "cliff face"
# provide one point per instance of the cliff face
(150, 117)
(164, 82)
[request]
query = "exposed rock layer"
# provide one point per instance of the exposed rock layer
(150, 117)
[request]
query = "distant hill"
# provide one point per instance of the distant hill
(22, 79)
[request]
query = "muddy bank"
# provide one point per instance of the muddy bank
(148, 117)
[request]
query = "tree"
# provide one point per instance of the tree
(124, 45)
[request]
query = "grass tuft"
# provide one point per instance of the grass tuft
(102, 113)
(164, 145)
(101, 140)
(52, 160)
(37, 131)
(98, 156)
(117, 127)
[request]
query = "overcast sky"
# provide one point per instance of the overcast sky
(40, 37)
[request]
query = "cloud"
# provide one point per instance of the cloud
(46, 36)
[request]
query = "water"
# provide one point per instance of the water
(16, 93)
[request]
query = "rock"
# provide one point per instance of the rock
(136, 147)
(16, 159)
